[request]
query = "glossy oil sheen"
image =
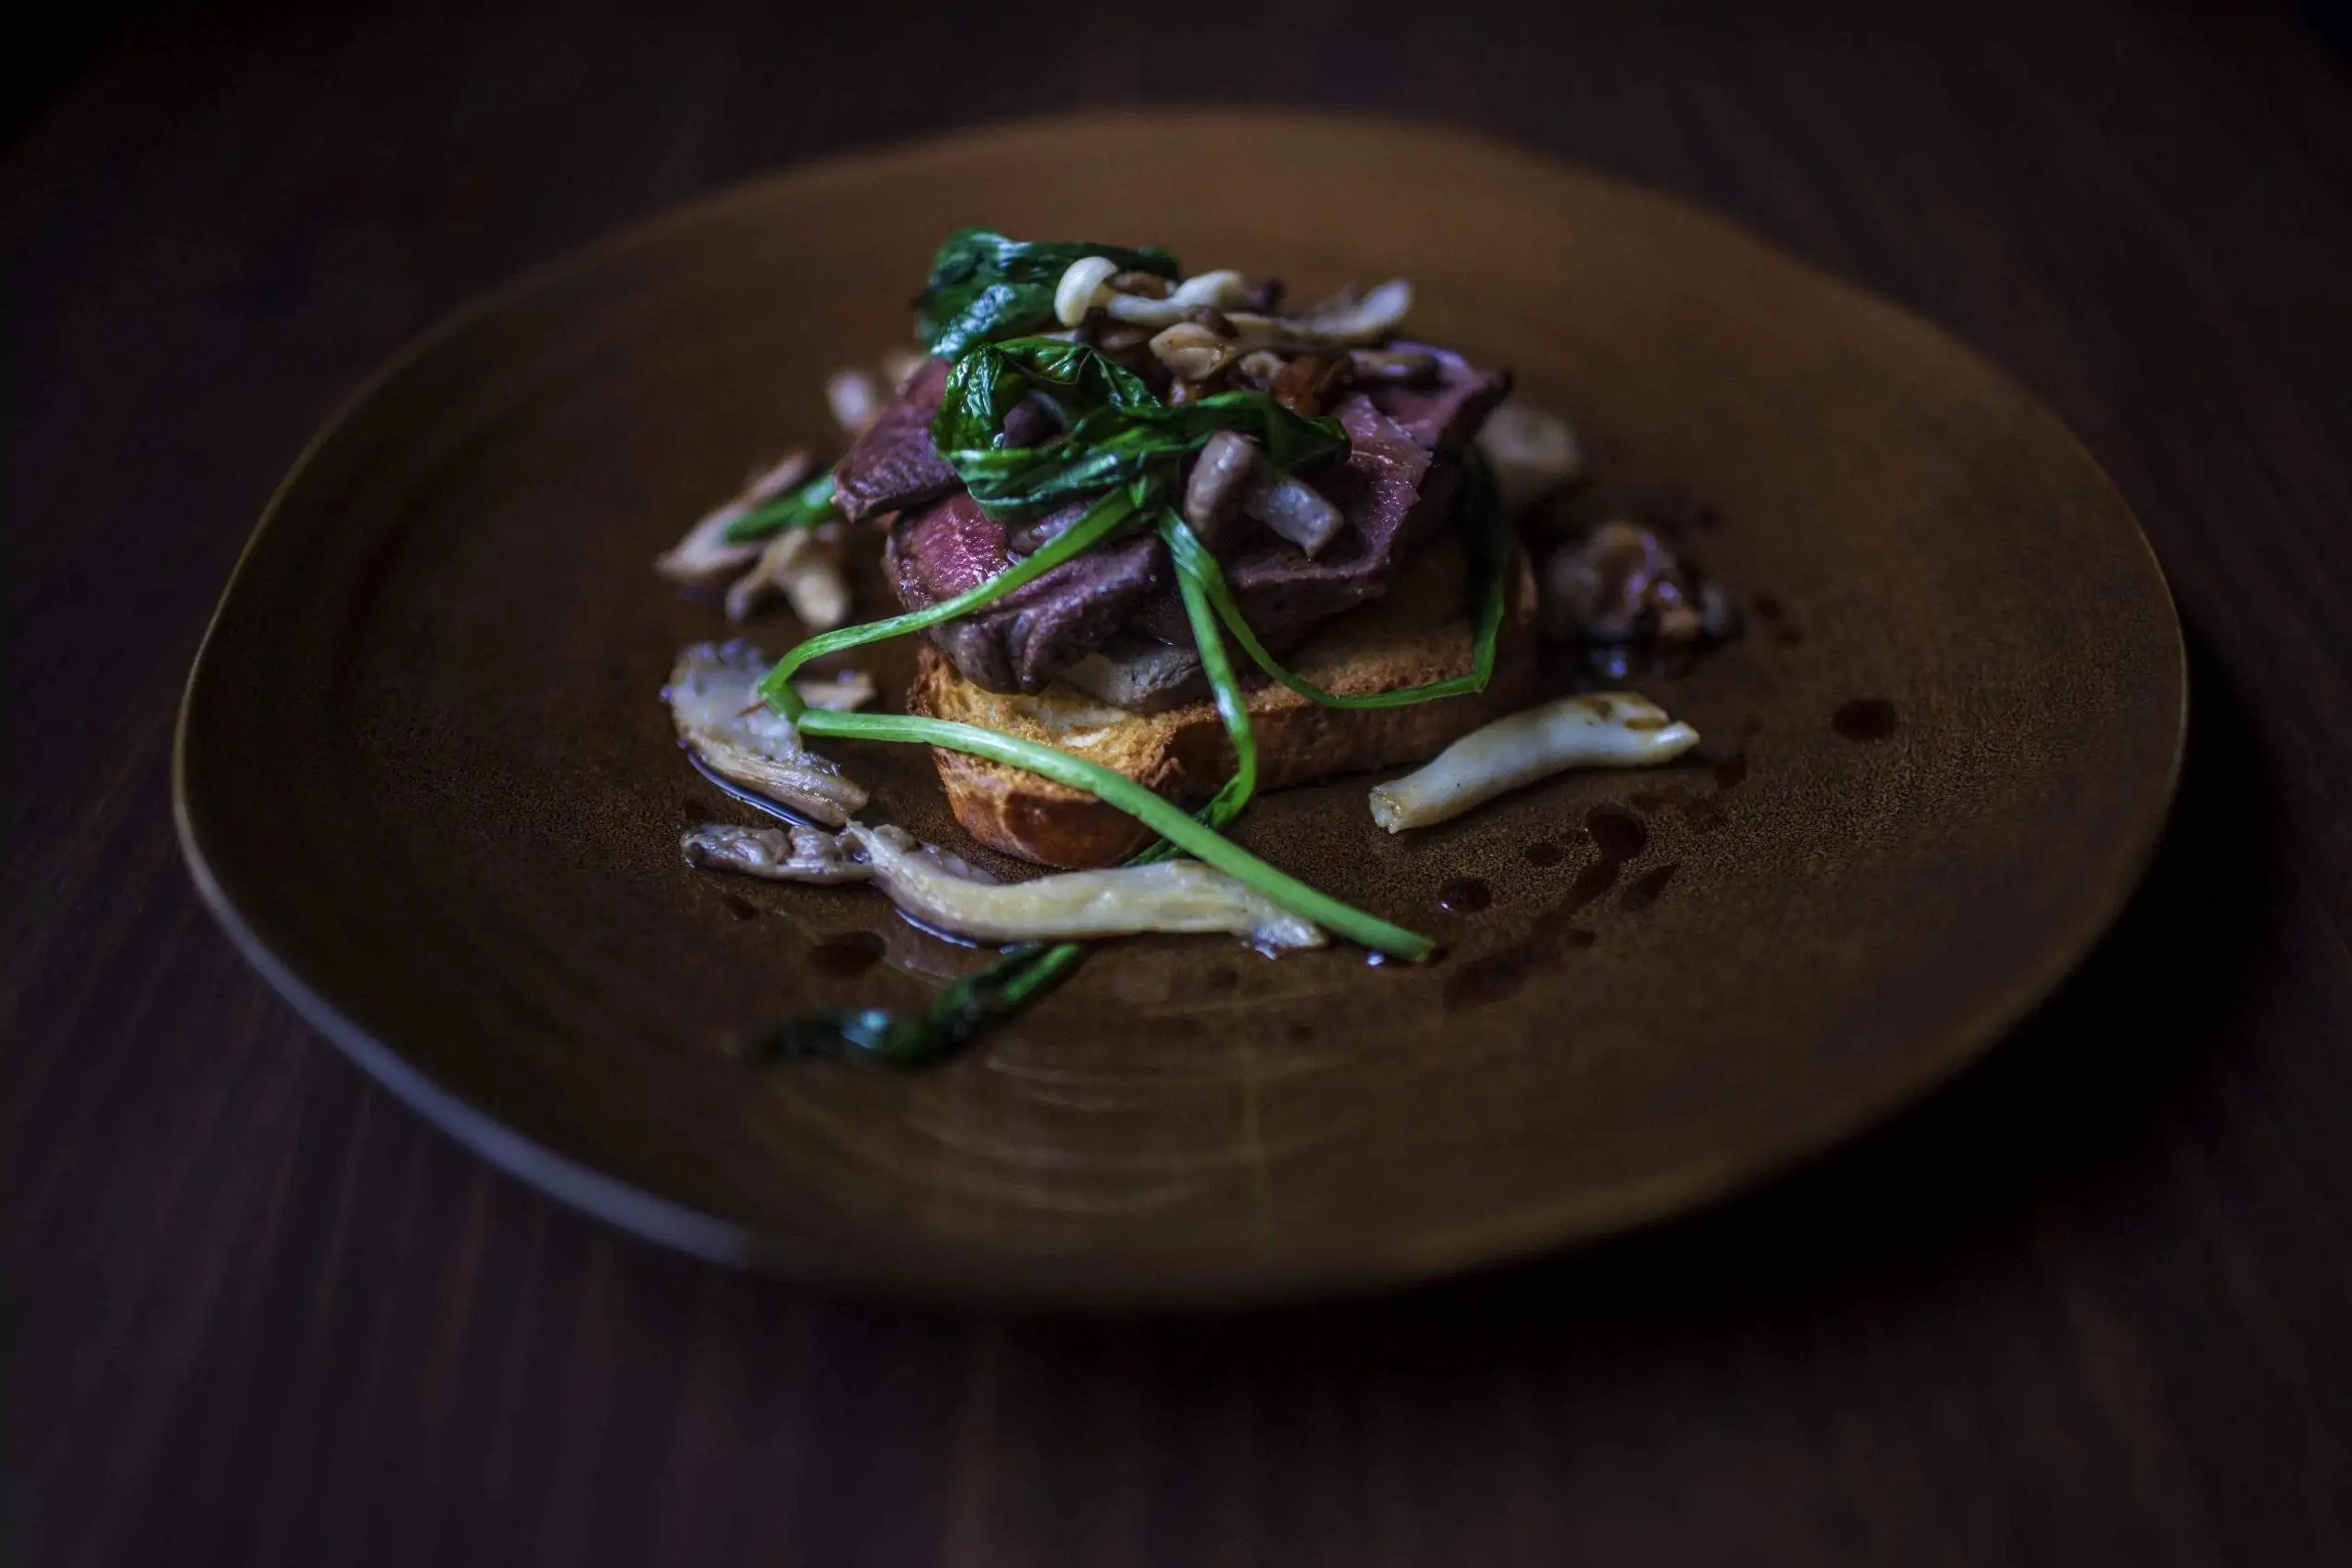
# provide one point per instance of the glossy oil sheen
(425, 777)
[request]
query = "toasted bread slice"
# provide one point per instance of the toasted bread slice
(1416, 634)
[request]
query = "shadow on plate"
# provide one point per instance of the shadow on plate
(2066, 1110)
(2065, 1116)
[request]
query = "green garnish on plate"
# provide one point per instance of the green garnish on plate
(1120, 444)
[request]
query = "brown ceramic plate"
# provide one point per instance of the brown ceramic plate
(426, 779)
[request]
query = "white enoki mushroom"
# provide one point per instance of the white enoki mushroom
(1344, 321)
(704, 557)
(1295, 510)
(1192, 352)
(1393, 367)
(1086, 285)
(1532, 453)
(1219, 290)
(714, 702)
(942, 891)
(1609, 730)
(804, 566)
(1258, 368)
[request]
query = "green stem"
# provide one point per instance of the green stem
(1108, 513)
(965, 1011)
(1124, 794)
(1022, 975)
(807, 507)
(1232, 706)
(1196, 565)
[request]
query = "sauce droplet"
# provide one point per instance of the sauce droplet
(1865, 719)
(1300, 1032)
(1591, 883)
(1732, 772)
(1497, 975)
(1775, 616)
(852, 952)
(1223, 979)
(1646, 887)
(1619, 835)
(1465, 896)
(1544, 852)
(742, 908)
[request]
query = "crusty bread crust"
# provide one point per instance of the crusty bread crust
(1403, 640)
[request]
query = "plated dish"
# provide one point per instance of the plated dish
(1097, 487)
(425, 777)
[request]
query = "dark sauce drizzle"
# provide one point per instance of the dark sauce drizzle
(836, 957)
(1618, 836)
(851, 953)
(1866, 719)
(1775, 618)
(1465, 896)
(1645, 889)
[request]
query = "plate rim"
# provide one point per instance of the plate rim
(1543, 1229)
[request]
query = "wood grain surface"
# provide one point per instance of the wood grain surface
(2086, 1306)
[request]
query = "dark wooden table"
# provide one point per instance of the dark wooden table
(2091, 1305)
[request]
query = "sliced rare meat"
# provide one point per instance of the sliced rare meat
(1442, 418)
(1393, 493)
(894, 465)
(1018, 643)
(1028, 538)
(1394, 498)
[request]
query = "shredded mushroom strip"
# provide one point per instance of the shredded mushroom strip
(721, 719)
(704, 557)
(1533, 453)
(1343, 322)
(1613, 729)
(1295, 510)
(804, 566)
(941, 890)
(1086, 285)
